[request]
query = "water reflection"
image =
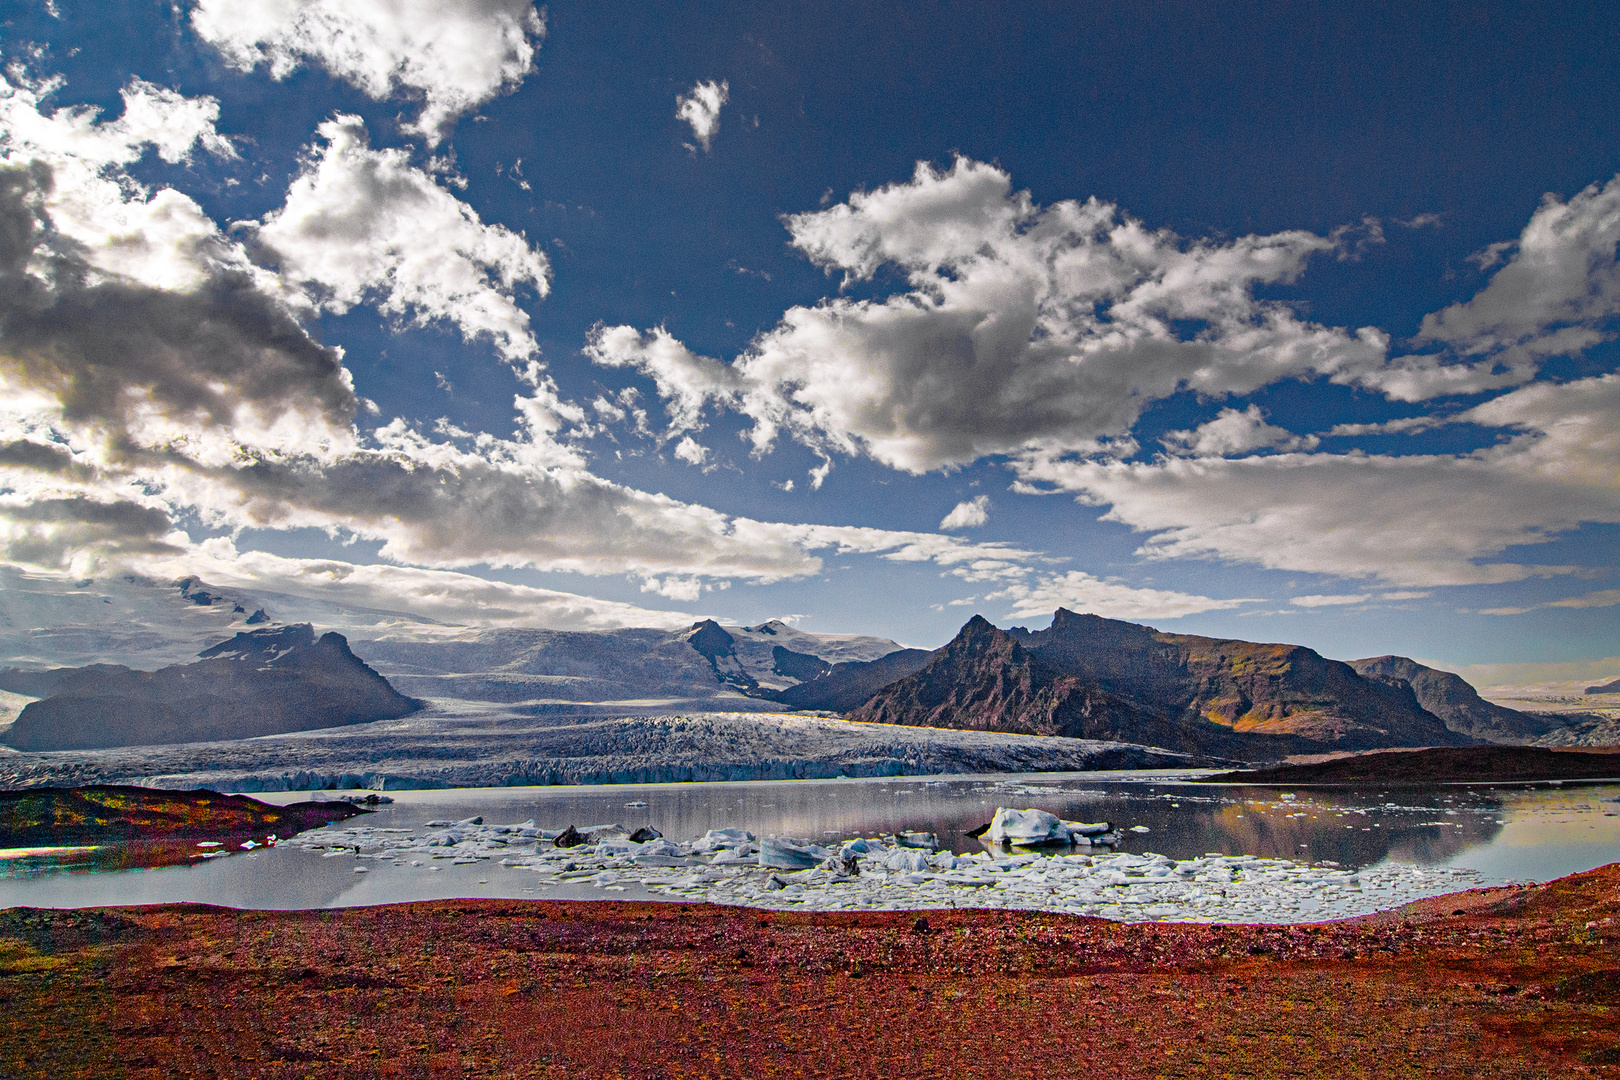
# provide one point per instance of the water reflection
(1506, 832)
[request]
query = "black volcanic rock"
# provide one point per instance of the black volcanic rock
(797, 665)
(1097, 678)
(1250, 687)
(841, 687)
(1457, 703)
(262, 682)
(985, 680)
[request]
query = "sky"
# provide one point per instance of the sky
(1289, 322)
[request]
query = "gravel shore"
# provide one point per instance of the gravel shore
(1510, 982)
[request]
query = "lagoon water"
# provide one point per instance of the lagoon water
(1487, 834)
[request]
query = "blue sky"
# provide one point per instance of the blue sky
(1291, 322)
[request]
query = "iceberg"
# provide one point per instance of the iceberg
(1026, 828)
(783, 853)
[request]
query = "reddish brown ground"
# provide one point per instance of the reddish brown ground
(1495, 983)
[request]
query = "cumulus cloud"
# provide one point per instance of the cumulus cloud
(967, 515)
(1080, 591)
(701, 109)
(452, 57)
(362, 224)
(1022, 327)
(125, 407)
(1330, 600)
(1557, 294)
(1233, 432)
(686, 381)
(118, 227)
(691, 451)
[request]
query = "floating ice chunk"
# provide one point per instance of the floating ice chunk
(1079, 829)
(906, 861)
(362, 869)
(1027, 827)
(208, 843)
(785, 853)
(715, 839)
(734, 855)
(1140, 828)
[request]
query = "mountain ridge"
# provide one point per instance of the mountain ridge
(1091, 677)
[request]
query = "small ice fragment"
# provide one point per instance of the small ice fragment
(365, 869)
(783, 853)
(1140, 828)
(208, 843)
(636, 805)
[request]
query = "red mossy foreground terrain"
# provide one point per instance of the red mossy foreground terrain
(1513, 982)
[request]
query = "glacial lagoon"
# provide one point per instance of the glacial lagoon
(1185, 850)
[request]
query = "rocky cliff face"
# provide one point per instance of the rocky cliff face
(1100, 678)
(1458, 704)
(262, 682)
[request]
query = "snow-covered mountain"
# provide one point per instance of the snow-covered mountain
(145, 624)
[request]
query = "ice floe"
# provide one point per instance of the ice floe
(732, 866)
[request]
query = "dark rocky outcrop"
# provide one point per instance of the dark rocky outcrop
(1605, 688)
(107, 813)
(261, 682)
(797, 665)
(1096, 678)
(716, 645)
(841, 687)
(1453, 765)
(1457, 703)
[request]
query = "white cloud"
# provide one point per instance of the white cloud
(452, 56)
(120, 227)
(1406, 594)
(968, 515)
(676, 588)
(691, 451)
(1082, 592)
(445, 596)
(364, 224)
(125, 405)
(1557, 294)
(1233, 432)
(1320, 600)
(1023, 327)
(1420, 520)
(685, 380)
(701, 109)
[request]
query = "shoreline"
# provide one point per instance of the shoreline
(1526, 976)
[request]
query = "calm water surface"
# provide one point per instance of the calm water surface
(1507, 833)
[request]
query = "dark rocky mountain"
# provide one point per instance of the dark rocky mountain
(261, 682)
(1096, 678)
(1605, 688)
(1458, 704)
(841, 687)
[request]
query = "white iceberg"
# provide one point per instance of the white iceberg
(784, 853)
(1026, 827)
